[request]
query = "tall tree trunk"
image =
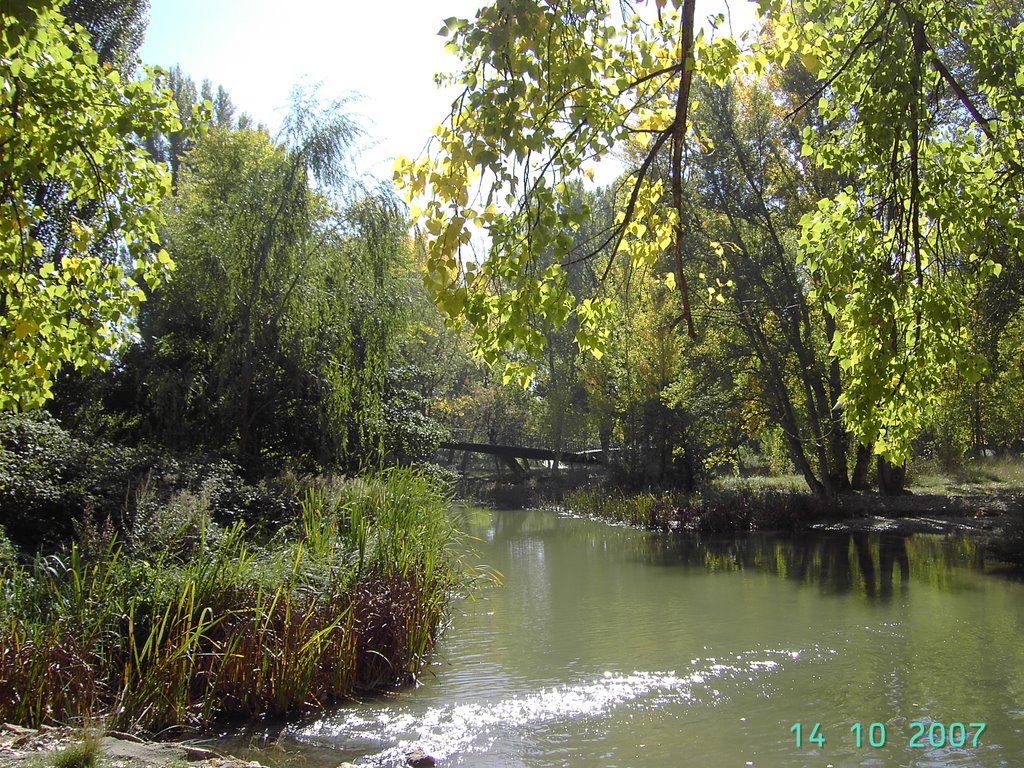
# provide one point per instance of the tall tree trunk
(859, 481)
(784, 407)
(824, 470)
(795, 318)
(678, 143)
(891, 478)
(839, 435)
(979, 442)
(796, 453)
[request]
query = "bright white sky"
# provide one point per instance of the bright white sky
(386, 52)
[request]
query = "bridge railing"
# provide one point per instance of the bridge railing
(463, 435)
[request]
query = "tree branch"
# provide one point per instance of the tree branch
(678, 142)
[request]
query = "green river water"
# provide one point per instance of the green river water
(614, 647)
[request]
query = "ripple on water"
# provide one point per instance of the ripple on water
(474, 726)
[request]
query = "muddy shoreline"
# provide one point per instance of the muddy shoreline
(995, 515)
(36, 747)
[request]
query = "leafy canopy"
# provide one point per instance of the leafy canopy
(921, 105)
(275, 337)
(67, 292)
(923, 111)
(549, 87)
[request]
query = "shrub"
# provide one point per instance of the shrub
(48, 478)
(711, 511)
(51, 481)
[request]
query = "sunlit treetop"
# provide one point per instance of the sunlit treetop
(922, 104)
(919, 103)
(550, 87)
(71, 130)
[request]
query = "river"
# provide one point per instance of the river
(613, 647)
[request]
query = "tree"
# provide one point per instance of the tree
(274, 340)
(558, 384)
(199, 108)
(68, 286)
(115, 27)
(747, 196)
(548, 87)
(921, 104)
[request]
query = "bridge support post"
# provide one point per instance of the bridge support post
(517, 469)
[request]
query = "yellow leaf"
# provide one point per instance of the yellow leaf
(23, 328)
(811, 62)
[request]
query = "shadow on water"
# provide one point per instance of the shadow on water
(875, 565)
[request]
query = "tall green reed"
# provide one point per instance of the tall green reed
(349, 597)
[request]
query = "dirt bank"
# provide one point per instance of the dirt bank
(30, 748)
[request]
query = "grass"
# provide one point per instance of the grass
(974, 474)
(214, 623)
(789, 483)
(83, 754)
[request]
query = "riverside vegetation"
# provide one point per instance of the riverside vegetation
(811, 292)
(180, 621)
(980, 495)
(215, 515)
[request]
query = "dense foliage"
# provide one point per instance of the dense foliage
(79, 201)
(181, 620)
(54, 483)
(933, 149)
(888, 195)
(165, 555)
(275, 337)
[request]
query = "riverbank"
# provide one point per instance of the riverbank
(180, 621)
(80, 748)
(64, 747)
(542, 659)
(985, 498)
(977, 503)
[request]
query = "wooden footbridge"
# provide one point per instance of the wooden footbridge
(571, 452)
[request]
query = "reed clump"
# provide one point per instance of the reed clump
(710, 511)
(642, 510)
(82, 754)
(204, 623)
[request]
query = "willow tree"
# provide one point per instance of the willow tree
(922, 107)
(274, 339)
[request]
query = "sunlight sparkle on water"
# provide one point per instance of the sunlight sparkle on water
(474, 726)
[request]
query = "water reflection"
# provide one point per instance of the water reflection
(875, 565)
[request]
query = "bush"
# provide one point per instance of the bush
(711, 511)
(48, 479)
(54, 485)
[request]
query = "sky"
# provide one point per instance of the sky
(382, 52)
